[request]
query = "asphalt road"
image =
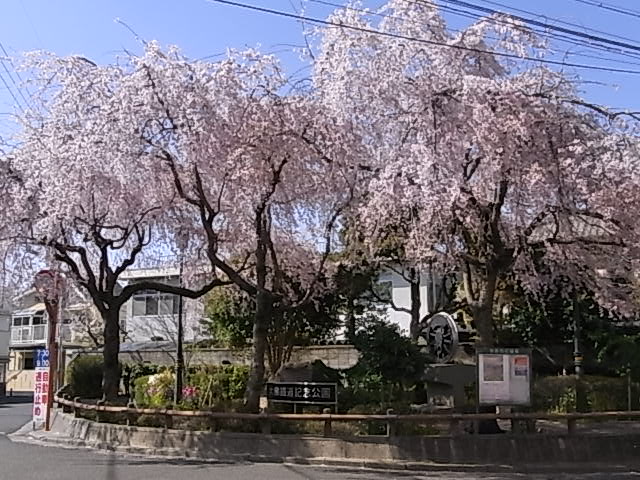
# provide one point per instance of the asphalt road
(20, 461)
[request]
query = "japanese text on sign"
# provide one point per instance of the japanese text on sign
(312, 393)
(41, 386)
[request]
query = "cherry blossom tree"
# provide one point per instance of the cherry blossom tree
(505, 168)
(85, 192)
(262, 177)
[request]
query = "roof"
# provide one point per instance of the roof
(139, 273)
(38, 307)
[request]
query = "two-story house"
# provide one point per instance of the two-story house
(29, 327)
(153, 316)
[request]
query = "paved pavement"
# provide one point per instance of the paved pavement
(21, 461)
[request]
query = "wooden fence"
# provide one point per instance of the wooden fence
(265, 419)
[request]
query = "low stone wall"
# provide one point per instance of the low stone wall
(334, 356)
(517, 450)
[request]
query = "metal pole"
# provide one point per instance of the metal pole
(629, 389)
(179, 352)
(577, 355)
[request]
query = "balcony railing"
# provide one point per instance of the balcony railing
(31, 334)
(36, 334)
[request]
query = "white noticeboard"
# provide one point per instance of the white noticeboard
(40, 387)
(504, 377)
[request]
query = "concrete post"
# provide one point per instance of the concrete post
(391, 424)
(327, 423)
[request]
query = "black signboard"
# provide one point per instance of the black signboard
(303, 392)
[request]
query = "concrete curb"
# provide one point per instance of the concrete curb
(49, 439)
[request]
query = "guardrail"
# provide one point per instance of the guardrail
(391, 419)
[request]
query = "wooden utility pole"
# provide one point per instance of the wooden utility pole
(49, 285)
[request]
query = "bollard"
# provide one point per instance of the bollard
(327, 423)
(76, 410)
(571, 426)
(391, 424)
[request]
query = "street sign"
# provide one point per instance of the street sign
(504, 377)
(310, 393)
(40, 386)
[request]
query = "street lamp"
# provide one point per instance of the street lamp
(182, 242)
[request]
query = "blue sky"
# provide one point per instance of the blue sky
(202, 28)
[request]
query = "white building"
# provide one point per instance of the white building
(29, 327)
(153, 316)
(394, 284)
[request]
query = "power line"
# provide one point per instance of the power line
(420, 40)
(554, 36)
(588, 36)
(15, 99)
(557, 20)
(610, 7)
(493, 20)
(4, 65)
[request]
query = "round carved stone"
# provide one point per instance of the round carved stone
(440, 337)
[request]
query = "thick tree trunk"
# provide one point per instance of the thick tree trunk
(260, 328)
(111, 367)
(414, 326)
(482, 310)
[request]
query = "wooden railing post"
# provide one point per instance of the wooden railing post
(327, 423)
(131, 416)
(99, 415)
(168, 419)
(265, 422)
(391, 424)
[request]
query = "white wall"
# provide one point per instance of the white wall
(5, 334)
(401, 294)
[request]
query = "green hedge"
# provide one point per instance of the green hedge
(589, 394)
(84, 376)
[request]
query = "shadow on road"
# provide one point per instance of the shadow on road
(16, 399)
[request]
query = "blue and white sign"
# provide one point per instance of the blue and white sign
(42, 358)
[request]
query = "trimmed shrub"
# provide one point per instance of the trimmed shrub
(589, 394)
(84, 376)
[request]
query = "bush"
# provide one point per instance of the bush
(595, 394)
(84, 376)
(207, 387)
(216, 387)
(155, 391)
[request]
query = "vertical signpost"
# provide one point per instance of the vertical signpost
(41, 387)
(50, 284)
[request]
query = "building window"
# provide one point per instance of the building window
(28, 362)
(20, 321)
(150, 302)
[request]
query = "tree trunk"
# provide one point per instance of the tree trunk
(260, 328)
(414, 326)
(482, 310)
(111, 367)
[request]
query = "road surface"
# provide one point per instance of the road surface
(20, 461)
